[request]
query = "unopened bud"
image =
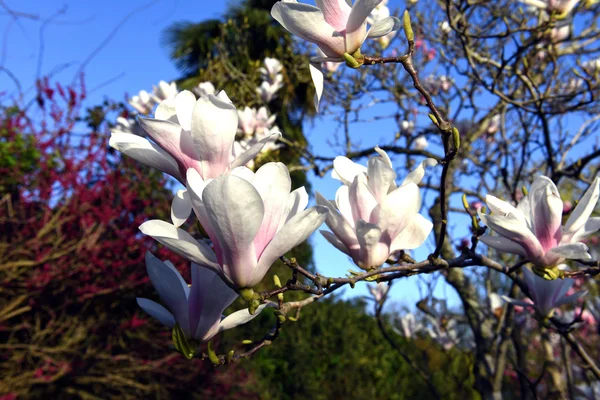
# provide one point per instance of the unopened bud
(408, 30)
(212, 356)
(456, 138)
(465, 202)
(525, 191)
(247, 341)
(276, 281)
(280, 296)
(230, 356)
(433, 119)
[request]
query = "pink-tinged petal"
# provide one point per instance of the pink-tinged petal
(502, 244)
(337, 223)
(180, 242)
(217, 296)
(146, 152)
(296, 231)
(184, 106)
(573, 251)
(242, 316)
(398, 209)
(547, 213)
(236, 211)
(308, 23)
(356, 27)
(181, 208)
(214, 123)
(297, 202)
(157, 311)
(416, 175)
(572, 299)
(342, 201)
(384, 156)
(362, 200)
(171, 288)
(514, 302)
(337, 243)
(175, 141)
(591, 226)
(384, 27)
(273, 183)
(515, 230)
(335, 12)
(255, 150)
(167, 110)
(381, 178)
(196, 298)
(372, 253)
(502, 207)
(346, 170)
(586, 205)
(317, 77)
(413, 235)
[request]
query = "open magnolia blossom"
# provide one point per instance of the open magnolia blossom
(379, 291)
(189, 133)
(164, 91)
(204, 89)
(252, 121)
(562, 7)
(251, 218)
(534, 228)
(546, 295)
(198, 308)
(372, 217)
(271, 69)
(142, 103)
(335, 26)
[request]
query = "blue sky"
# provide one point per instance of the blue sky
(134, 59)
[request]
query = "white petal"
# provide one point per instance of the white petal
(356, 27)
(255, 150)
(145, 151)
(416, 176)
(591, 226)
(337, 223)
(317, 77)
(180, 242)
(362, 200)
(184, 103)
(346, 170)
(171, 288)
(398, 208)
(337, 243)
(297, 201)
(157, 311)
(573, 251)
(296, 231)
(503, 244)
(382, 178)
(515, 230)
(236, 211)
(413, 235)
(384, 27)
(167, 110)
(242, 316)
(586, 205)
(181, 207)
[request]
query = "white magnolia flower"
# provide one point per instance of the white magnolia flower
(189, 133)
(197, 309)
(164, 91)
(335, 26)
(421, 143)
(445, 27)
(533, 229)
(379, 291)
(251, 218)
(371, 217)
(407, 127)
(494, 125)
(255, 122)
(546, 295)
(128, 125)
(271, 68)
(204, 89)
(143, 103)
(268, 90)
(562, 7)
(409, 325)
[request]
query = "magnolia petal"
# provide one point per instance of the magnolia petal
(362, 200)
(254, 150)
(398, 208)
(337, 243)
(181, 207)
(308, 23)
(297, 201)
(416, 176)
(584, 208)
(171, 288)
(144, 151)
(294, 232)
(382, 178)
(242, 316)
(342, 201)
(515, 230)
(167, 110)
(372, 253)
(502, 207)
(503, 244)
(591, 226)
(573, 251)
(384, 156)
(180, 242)
(236, 211)
(273, 183)
(184, 103)
(546, 207)
(413, 235)
(515, 302)
(214, 124)
(217, 296)
(346, 170)
(337, 223)
(317, 77)
(356, 27)
(157, 311)
(243, 172)
(335, 12)
(384, 27)
(571, 299)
